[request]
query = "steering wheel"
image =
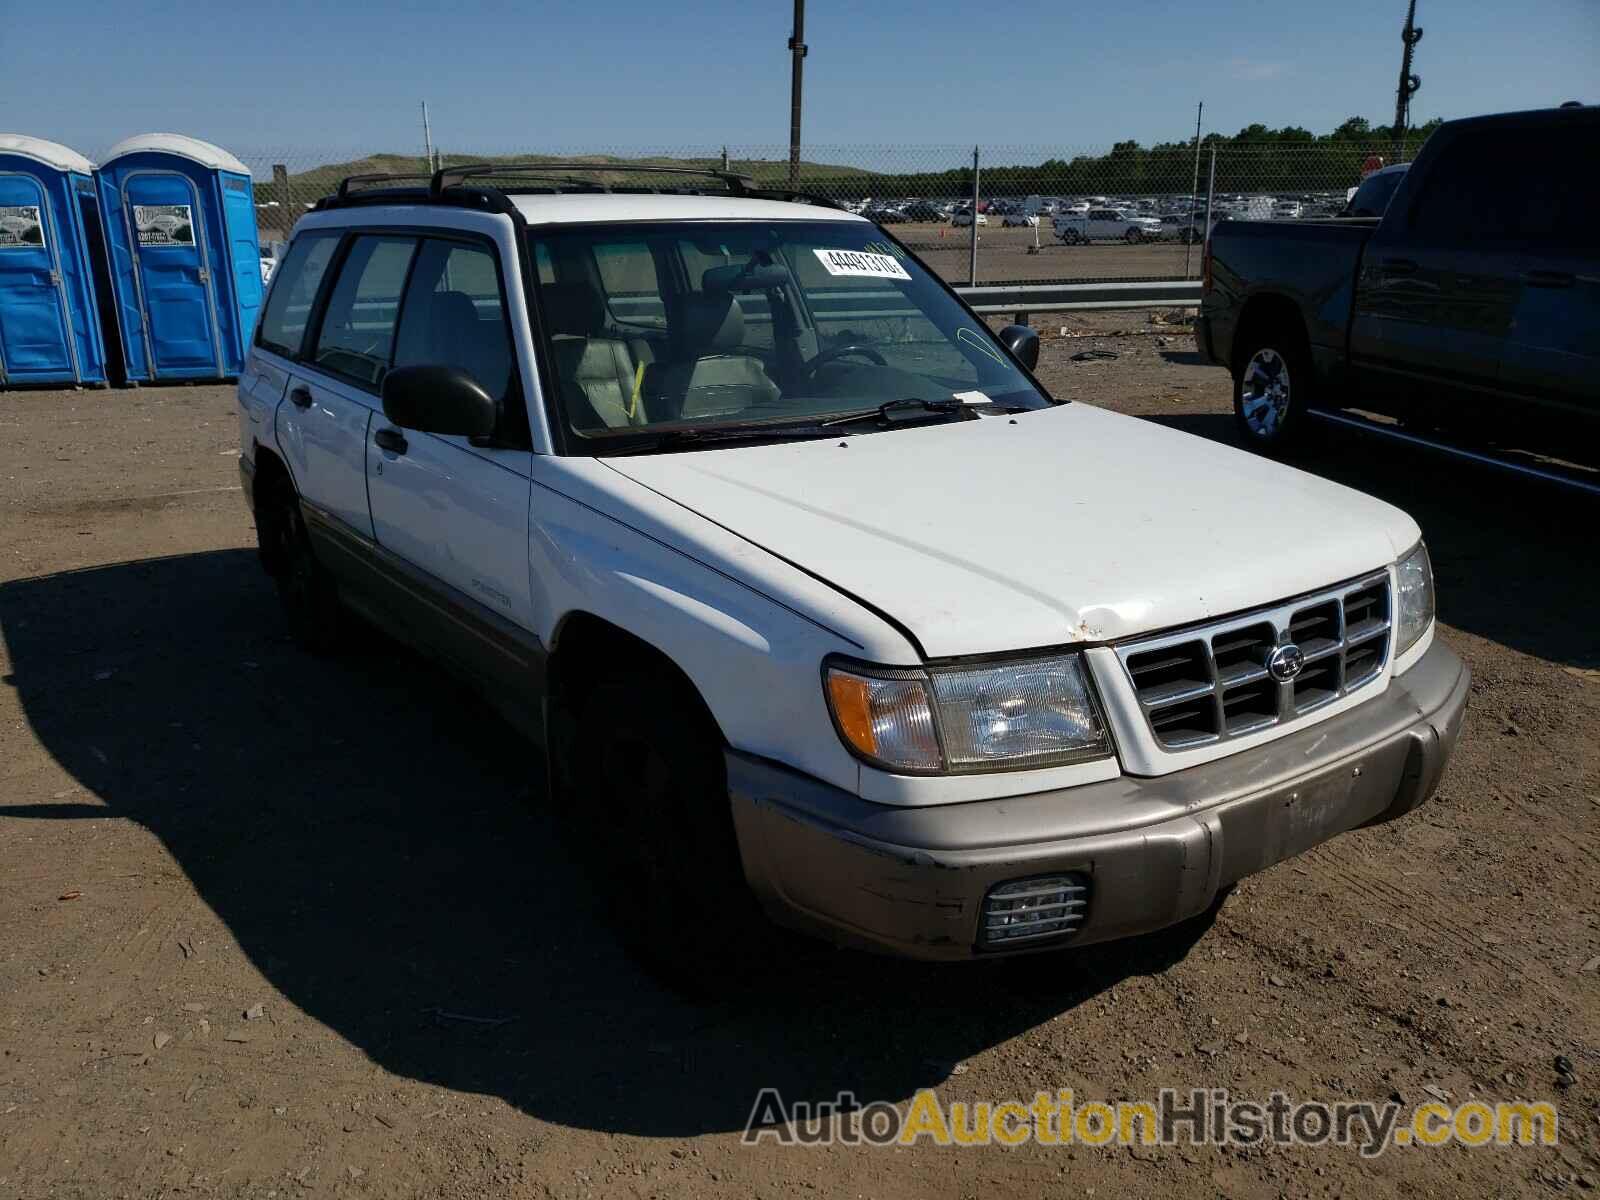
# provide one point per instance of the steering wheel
(828, 356)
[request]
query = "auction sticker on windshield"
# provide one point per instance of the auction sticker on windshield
(861, 264)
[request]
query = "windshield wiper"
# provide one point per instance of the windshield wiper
(690, 439)
(889, 411)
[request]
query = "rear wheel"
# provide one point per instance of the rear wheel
(1272, 387)
(307, 592)
(648, 777)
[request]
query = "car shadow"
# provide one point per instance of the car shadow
(1185, 358)
(1508, 552)
(371, 838)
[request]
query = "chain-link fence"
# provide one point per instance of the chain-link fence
(1044, 213)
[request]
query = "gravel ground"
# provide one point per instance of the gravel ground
(249, 899)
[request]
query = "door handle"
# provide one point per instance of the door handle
(1399, 266)
(1550, 279)
(391, 440)
(301, 397)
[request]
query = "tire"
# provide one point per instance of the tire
(1272, 388)
(1133, 237)
(307, 592)
(648, 775)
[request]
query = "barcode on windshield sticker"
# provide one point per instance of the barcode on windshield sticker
(861, 264)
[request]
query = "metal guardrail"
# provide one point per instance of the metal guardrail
(1063, 297)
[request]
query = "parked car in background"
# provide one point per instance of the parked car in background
(1286, 210)
(923, 210)
(1028, 220)
(1106, 224)
(963, 216)
(1472, 301)
(886, 214)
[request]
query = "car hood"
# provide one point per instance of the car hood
(1072, 524)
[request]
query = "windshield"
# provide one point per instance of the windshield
(721, 326)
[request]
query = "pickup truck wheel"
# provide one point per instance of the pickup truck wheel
(1271, 390)
(1133, 237)
(649, 776)
(307, 592)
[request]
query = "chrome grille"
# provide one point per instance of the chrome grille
(1205, 685)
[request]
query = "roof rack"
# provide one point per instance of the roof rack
(445, 186)
(376, 177)
(736, 184)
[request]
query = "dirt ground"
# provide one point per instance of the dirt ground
(274, 926)
(1007, 255)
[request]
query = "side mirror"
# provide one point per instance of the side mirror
(1023, 344)
(439, 400)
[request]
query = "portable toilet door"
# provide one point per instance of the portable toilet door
(49, 323)
(185, 260)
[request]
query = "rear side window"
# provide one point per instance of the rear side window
(1465, 198)
(454, 315)
(299, 275)
(357, 335)
(1373, 196)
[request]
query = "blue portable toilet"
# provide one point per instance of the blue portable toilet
(185, 259)
(49, 324)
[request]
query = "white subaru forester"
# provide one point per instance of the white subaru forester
(817, 602)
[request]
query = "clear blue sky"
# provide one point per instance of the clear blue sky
(296, 75)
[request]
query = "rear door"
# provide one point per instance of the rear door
(1439, 279)
(33, 316)
(333, 392)
(281, 337)
(1552, 352)
(173, 273)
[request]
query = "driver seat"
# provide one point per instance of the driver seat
(712, 378)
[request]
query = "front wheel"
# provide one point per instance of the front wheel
(1133, 237)
(1272, 388)
(648, 778)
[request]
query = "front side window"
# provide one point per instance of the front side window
(283, 324)
(728, 326)
(454, 315)
(357, 335)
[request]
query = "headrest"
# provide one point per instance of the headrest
(712, 324)
(573, 308)
(453, 309)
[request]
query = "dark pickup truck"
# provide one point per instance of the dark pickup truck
(1472, 302)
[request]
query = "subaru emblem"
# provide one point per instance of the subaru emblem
(1285, 662)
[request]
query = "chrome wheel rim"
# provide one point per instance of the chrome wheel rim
(1264, 393)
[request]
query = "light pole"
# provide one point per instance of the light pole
(797, 48)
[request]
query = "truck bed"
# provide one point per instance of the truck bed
(1311, 263)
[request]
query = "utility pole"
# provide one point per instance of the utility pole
(797, 49)
(1409, 83)
(427, 137)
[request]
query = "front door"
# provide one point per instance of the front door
(173, 272)
(455, 511)
(34, 344)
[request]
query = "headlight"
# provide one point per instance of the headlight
(961, 719)
(1414, 603)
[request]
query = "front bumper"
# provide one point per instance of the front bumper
(1156, 850)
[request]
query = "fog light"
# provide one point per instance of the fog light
(1030, 910)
